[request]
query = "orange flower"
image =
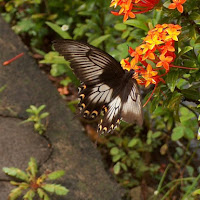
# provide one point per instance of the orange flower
(131, 7)
(157, 48)
(164, 61)
(150, 76)
(177, 4)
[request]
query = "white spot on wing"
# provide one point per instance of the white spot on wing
(101, 93)
(114, 108)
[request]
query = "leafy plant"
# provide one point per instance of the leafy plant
(128, 156)
(36, 117)
(31, 185)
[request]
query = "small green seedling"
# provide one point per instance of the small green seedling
(30, 185)
(36, 117)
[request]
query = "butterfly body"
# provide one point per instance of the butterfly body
(106, 86)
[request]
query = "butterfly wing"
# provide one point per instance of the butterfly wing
(98, 71)
(132, 107)
(104, 87)
(90, 64)
(126, 106)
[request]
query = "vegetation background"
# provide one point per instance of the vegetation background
(163, 154)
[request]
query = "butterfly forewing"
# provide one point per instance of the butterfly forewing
(106, 86)
(88, 62)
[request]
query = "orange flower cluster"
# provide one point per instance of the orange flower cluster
(177, 4)
(129, 8)
(153, 58)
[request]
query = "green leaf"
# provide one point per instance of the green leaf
(44, 115)
(171, 79)
(3, 88)
(190, 170)
(114, 151)
(133, 142)
(56, 174)
(29, 195)
(178, 133)
(54, 58)
(58, 69)
(99, 40)
(58, 30)
(117, 168)
(174, 103)
(115, 158)
(137, 23)
(124, 167)
(120, 27)
(42, 107)
(32, 166)
(125, 34)
(156, 134)
(54, 188)
(15, 193)
(185, 50)
(18, 173)
(189, 133)
(42, 194)
(191, 94)
(196, 192)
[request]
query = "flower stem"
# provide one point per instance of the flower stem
(150, 96)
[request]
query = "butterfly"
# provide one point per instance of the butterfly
(106, 87)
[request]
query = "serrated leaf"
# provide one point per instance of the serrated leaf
(56, 174)
(32, 166)
(29, 195)
(117, 168)
(58, 30)
(18, 173)
(99, 40)
(137, 23)
(178, 133)
(54, 188)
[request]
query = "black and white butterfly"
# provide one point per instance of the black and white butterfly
(106, 86)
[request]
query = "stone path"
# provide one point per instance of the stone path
(72, 150)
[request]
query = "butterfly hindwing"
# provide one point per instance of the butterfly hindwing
(112, 116)
(132, 107)
(126, 106)
(93, 98)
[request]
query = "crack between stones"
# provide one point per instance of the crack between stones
(12, 117)
(51, 149)
(50, 146)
